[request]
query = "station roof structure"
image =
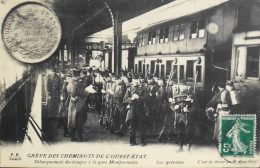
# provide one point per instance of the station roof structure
(171, 11)
(91, 16)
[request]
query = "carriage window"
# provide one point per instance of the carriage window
(164, 32)
(181, 72)
(189, 73)
(162, 70)
(198, 70)
(182, 32)
(135, 68)
(197, 29)
(139, 66)
(152, 67)
(201, 27)
(168, 67)
(175, 70)
(193, 29)
(143, 40)
(252, 67)
(140, 37)
(151, 37)
(176, 32)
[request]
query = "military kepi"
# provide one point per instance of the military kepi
(75, 73)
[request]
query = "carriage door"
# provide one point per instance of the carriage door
(189, 71)
(152, 67)
(162, 71)
(168, 68)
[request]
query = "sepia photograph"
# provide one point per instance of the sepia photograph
(130, 83)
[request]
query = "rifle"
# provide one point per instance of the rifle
(155, 70)
(195, 82)
(170, 77)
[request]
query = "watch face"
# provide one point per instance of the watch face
(31, 32)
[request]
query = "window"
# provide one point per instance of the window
(141, 39)
(197, 29)
(168, 67)
(162, 70)
(164, 32)
(252, 65)
(179, 32)
(193, 29)
(182, 32)
(189, 74)
(151, 37)
(176, 33)
(135, 68)
(201, 27)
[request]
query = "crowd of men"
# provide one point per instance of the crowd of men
(127, 103)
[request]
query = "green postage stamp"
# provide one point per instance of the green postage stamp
(238, 135)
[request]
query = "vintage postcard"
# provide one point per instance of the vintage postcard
(130, 83)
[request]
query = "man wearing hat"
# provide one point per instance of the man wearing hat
(77, 114)
(217, 106)
(135, 97)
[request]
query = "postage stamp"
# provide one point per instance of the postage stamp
(238, 135)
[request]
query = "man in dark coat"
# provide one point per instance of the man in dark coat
(135, 97)
(77, 114)
(53, 99)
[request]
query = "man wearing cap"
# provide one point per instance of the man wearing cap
(119, 111)
(108, 98)
(111, 91)
(77, 110)
(53, 93)
(152, 88)
(161, 96)
(63, 110)
(135, 97)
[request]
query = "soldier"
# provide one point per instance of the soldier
(161, 96)
(77, 114)
(63, 110)
(111, 91)
(62, 81)
(168, 124)
(98, 86)
(183, 123)
(108, 99)
(53, 94)
(135, 97)
(119, 111)
(152, 88)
